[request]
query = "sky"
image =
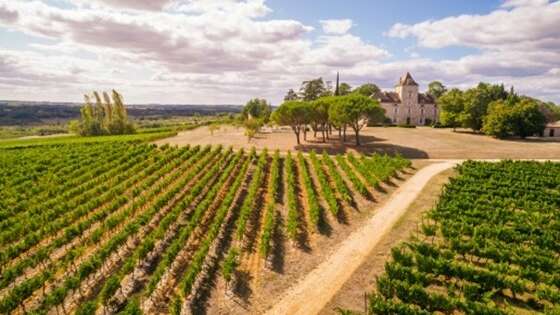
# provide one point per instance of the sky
(229, 51)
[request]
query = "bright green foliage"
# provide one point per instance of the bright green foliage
(230, 264)
(320, 114)
(157, 234)
(134, 138)
(315, 210)
(367, 89)
(364, 170)
(106, 117)
(451, 106)
(469, 108)
(93, 215)
(270, 201)
(492, 236)
(356, 181)
(295, 114)
(293, 220)
(326, 189)
(333, 172)
(249, 203)
(523, 118)
(355, 111)
(258, 109)
(201, 253)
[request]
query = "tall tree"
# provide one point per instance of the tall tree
(550, 110)
(313, 89)
(527, 118)
(294, 114)
(107, 116)
(344, 89)
(336, 90)
(367, 89)
(436, 89)
(523, 118)
(320, 113)
(291, 96)
(258, 109)
(451, 105)
(108, 108)
(120, 116)
(354, 111)
(476, 103)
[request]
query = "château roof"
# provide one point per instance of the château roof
(425, 98)
(393, 97)
(387, 97)
(407, 80)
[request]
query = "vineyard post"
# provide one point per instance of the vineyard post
(365, 303)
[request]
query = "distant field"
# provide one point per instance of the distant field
(73, 139)
(490, 246)
(416, 143)
(113, 225)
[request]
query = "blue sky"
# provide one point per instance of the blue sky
(228, 51)
(373, 18)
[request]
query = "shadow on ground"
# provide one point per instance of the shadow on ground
(369, 145)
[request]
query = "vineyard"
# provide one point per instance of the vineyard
(490, 246)
(117, 227)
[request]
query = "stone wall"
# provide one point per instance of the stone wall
(413, 114)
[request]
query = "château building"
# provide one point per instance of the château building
(406, 105)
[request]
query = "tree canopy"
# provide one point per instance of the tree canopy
(355, 111)
(452, 105)
(436, 89)
(476, 103)
(291, 95)
(103, 115)
(367, 89)
(313, 89)
(352, 110)
(257, 109)
(468, 108)
(295, 114)
(522, 118)
(344, 89)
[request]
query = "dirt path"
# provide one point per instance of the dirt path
(316, 289)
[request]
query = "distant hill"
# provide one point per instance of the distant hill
(24, 112)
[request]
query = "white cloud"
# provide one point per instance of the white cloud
(523, 3)
(522, 27)
(150, 5)
(336, 27)
(227, 51)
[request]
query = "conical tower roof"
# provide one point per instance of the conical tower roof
(407, 80)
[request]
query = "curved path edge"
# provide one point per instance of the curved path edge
(311, 293)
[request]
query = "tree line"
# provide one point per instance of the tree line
(491, 109)
(320, 109)
(103, 115)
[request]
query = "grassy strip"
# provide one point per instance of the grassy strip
(140, 137)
